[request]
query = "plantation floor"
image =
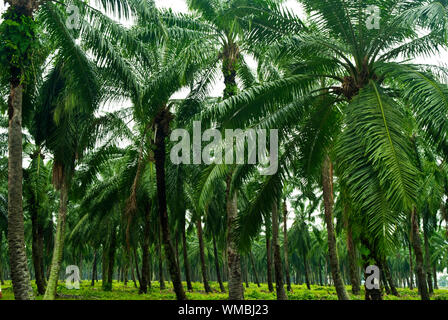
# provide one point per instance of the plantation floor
(129, 292)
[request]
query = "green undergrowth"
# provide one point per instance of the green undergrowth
(130, 292)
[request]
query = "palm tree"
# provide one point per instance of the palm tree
(281, 295)
(67, 134)
(20, 14)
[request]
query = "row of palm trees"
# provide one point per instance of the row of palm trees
(361, 134)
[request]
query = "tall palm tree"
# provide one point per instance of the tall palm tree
(19, 14)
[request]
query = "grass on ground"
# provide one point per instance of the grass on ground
(129, 292)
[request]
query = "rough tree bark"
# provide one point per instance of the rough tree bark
(161, 129)
(230, 56)
(327, 186)
(416, 243)
(236, 289)
(20, 276)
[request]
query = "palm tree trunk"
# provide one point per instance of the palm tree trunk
(285, 245)
(161, 277)
(246, 274)
(385, 282)
(20, 276)
(307, 272)
(321, 283)
(104, 264)
(218, 272)
(389, 279)
(428, 262)
(133, 275)
(281, 294)
(137, 269)
(434, 273)
(50, 293)
(269, 263)
(251, 256)
(111, 261)
(176, 251)
(94, 266)
(186, 262)
(416, 242)
(236, 289)
(327, 186)
(145, 250)
(37, 250)
(444, 208)
(353, 267)
(202, 256)
(2, 280)
(162, 121)
(411, 269)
